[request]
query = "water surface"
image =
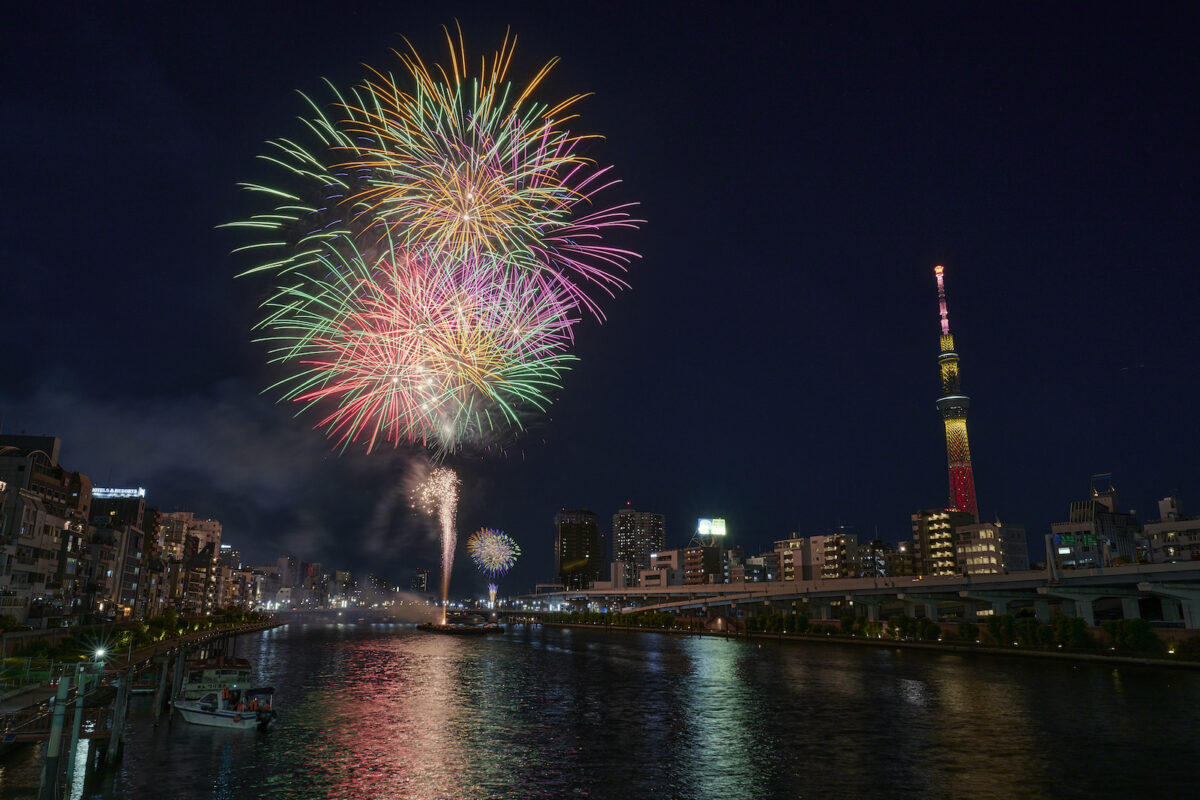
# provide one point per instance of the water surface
(382, 711)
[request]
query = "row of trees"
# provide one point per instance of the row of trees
(123, 637)
(1127, 636)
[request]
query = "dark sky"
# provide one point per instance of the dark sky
(801, 172)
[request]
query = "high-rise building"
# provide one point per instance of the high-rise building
(578, 551)
(637, 534)
(953, 406)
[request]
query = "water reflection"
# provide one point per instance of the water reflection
(387, 712)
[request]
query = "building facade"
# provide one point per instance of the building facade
(991, 548)
(637, 534)
(578, 553)
(1097, 533)
(934, 540)
(1175, 537)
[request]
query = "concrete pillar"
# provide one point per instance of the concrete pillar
(1191, 614)
(178, 676)
(1083, 608)
(1130, 608)
(969, 610)
(161, 692)
(999, 606)
(122, 702)
(1041, 609)
(1171, 610)
(872, 612)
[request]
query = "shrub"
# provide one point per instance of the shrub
(1134, 635)
(928, 630)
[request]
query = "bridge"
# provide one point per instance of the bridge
(1167, 594)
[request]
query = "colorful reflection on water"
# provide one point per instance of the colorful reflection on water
(379, 711)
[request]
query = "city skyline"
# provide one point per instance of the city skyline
(773, 363)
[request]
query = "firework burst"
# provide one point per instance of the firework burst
(434, 240)
(409, 350)
(494, 552)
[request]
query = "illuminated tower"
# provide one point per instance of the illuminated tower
(953, 405)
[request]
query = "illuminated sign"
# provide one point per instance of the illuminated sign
(101, 492)
(711, 527)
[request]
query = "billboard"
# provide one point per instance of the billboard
(103, 492)
(711, 527)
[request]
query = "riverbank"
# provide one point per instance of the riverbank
(946, 647)
(30, 693)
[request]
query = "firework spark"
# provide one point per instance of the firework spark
(423, 353)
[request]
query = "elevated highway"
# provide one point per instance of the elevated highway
(1165, 593)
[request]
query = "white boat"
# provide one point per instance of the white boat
(230, 708)
(214, 674)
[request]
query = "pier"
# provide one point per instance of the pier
(90, 699)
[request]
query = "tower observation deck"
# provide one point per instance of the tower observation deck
(953, 406)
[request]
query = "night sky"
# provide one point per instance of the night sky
(800, 172)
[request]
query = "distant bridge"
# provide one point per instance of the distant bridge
(1168, 594)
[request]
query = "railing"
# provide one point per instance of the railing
(34, 724)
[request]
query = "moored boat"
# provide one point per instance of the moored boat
(230, 708)
(206, 675)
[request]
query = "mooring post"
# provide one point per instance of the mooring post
(114, 740)
(161, 690)
(80, 689)
(177, 678)
(50, 765)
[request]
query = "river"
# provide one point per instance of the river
(385, 711)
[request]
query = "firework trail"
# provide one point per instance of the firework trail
(494, 552)
(437, 496)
